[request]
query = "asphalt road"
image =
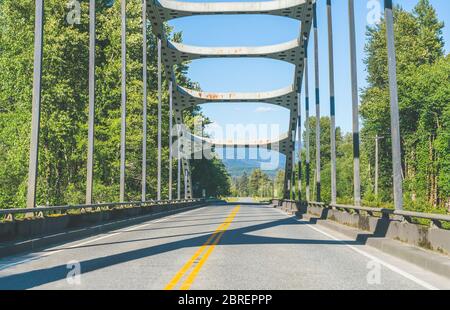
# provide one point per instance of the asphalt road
(216, 247)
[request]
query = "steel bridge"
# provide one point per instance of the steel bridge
(170, 54)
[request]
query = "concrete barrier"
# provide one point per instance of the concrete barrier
(276, 203)
(288, 206)
(429, 238)
(22, 229)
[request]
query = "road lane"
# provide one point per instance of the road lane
(199, 258)
(261, 248)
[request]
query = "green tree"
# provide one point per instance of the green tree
(63, 138)
(243, 185)
(216, 182)
(63, 101)
(279, 184)
(423, 99)
(325, 156)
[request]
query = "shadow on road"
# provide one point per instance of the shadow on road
(380, 230)
(237, 236)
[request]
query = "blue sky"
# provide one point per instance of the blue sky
(245, 75)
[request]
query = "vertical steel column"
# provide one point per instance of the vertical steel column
(179, 177)
(287, 192)
(91, 118)
(307, 138)
(159, 118)
(395, 122)
(299, 134)
(293, 196)
(170, 137)
(186, 176)
(377, 141)
(332, 103)
(316, 66)
(144, 101)
(355, 105)
(124, 102)
(179, 150)
(36, 103)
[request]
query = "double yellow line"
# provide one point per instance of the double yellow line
(202, 253)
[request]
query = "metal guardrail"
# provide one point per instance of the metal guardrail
(436, 219)
(41, 211)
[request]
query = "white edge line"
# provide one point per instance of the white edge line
(371, 257)
(361, 252)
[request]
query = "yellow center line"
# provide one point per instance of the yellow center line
(216, 236)
(191, 277)
(191, 261)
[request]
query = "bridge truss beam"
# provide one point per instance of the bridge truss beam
(292, 52)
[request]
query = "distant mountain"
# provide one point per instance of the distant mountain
(237, 167)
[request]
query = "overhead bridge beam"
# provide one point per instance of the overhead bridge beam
(291, 51)
(186, 98)
(172, 53)
(168, 10)
(281, 144)
(160, 11)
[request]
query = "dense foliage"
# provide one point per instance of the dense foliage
(424, 98)
(63, 137)
(257, 184)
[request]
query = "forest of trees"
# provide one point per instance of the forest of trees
(424, 98)
(63, 137)
(257, 184)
